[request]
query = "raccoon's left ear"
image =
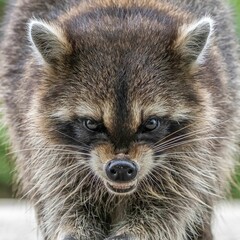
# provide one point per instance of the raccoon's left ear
(194, 40)
(48, 41)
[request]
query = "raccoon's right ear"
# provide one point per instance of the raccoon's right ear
(194, 40)
(48, 41)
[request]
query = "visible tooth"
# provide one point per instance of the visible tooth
(121, 186)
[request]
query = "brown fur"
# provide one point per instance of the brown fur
(120, 63)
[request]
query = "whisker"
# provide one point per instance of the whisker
(68, 136)
(183, 136)
(170, 145)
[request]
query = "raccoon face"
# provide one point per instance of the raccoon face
(123, 98)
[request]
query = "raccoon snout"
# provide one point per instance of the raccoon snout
(121, 170)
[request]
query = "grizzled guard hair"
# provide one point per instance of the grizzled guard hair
(123, 115)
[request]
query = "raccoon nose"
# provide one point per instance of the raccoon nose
(121, 170)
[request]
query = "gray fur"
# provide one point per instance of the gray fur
(122, 64)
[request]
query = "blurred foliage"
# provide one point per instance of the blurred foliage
(235, 4)
(2, 4)
(236, 184)
(6, 167)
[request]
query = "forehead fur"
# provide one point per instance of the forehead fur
(124, 69)
(91, 6)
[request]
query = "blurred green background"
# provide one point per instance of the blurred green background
(6, 167)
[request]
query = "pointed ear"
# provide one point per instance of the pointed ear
(194, 40)
(48, 41)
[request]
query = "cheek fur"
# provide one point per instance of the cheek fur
(143, 156)
(101, 154)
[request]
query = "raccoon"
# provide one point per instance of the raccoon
(123, 115)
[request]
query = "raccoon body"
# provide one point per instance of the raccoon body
(123, 114)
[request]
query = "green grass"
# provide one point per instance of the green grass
(236, 9)
(236, 185)
(5, 167)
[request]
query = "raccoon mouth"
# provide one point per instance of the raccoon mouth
(121, 188)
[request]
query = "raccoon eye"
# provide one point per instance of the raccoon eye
(91, 124)
(151, 124)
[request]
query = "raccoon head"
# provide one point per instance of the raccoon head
(123, 94)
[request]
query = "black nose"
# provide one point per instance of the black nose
(121, 170)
